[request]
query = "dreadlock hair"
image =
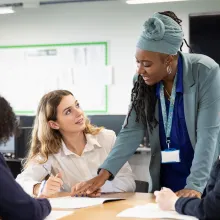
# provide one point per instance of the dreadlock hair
(142, 92)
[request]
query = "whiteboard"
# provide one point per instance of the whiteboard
(27, 73)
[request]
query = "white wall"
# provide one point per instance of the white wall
(115, 22)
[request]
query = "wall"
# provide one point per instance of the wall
(113, 21)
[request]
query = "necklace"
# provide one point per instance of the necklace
(167, 93)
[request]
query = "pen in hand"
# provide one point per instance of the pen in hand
(58, 175)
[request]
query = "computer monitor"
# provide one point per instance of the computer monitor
(8, 147)
(112, 122)
(22, 142)
(26, 121)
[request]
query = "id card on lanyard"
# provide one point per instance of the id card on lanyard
(170, 155)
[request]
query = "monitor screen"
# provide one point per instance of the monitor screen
(22, 142)
(8, 147)
(112, 122)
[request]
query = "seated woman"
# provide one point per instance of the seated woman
(207, 208)
(68, 149)
(14, 202)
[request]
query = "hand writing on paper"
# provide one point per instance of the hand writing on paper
(52, 185)
(188, 193)
(166, 199)
(91, 187)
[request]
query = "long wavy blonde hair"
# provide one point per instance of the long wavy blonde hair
(45, 140)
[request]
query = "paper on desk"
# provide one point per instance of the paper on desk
(55, 215)
(152, 210)
(76, 203)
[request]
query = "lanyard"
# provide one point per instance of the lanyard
(167, 121)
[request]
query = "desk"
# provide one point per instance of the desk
(109, 210)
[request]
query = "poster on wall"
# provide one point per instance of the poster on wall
(28, 72)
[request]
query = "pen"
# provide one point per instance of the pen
(41, 187)
(50, 174)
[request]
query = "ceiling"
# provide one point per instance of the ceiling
(35, 3)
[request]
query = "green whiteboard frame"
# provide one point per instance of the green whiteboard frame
(63, 45)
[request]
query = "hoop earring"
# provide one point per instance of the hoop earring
(169, 70)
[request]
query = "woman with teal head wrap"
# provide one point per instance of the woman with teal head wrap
(175, 103)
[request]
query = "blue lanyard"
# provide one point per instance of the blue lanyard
(167, 121)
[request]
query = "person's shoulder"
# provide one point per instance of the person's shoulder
(135, 78)
(2, 161)
(203, 61)
(106, 139)
(106, 134)
(3, 167)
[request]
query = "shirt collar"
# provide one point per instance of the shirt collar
(179, 82)
(92, 142)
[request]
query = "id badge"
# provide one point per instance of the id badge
(170, 156)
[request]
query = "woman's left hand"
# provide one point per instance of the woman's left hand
(166, 199)
(188, 193)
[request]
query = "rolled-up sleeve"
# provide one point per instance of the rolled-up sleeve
(32, 175)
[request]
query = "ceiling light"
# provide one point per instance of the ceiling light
(6, 10)
(150, 1)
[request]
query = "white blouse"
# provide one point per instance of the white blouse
(75, 168)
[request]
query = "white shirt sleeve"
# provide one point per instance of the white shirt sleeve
(124, 181)
(32, 175)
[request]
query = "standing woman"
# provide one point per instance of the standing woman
(176, 98)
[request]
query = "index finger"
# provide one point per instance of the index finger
(82, 188)
(92, 188)
(58, 180)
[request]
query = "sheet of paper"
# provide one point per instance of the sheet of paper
(77, 203)
(152, 210)
(54, 215)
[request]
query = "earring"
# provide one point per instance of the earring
(169, 70)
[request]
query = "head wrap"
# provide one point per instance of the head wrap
(161, 34)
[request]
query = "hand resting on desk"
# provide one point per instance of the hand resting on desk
(92, 186)
(79, 190)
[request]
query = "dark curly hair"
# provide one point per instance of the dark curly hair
(8, 121)
(142, 92)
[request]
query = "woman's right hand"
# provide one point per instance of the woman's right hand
(91, 186)
(77, 186)
(52, 185)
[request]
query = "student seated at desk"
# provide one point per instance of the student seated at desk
(66, 145)
(207, 208)
(14, 202)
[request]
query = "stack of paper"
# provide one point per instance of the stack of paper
(76, 203)
(152, 210)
